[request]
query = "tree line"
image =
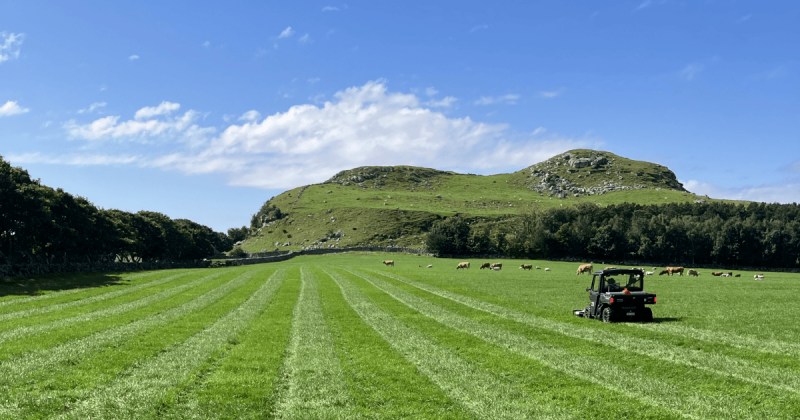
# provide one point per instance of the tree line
(751, 234)
(39, 224)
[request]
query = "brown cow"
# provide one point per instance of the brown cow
(584, 268)
(485, 265)
(526, 266)
(663, 272)
(610, 268)
(389, 262)
(673, 270)
(716, 273)
(498, 265)
(693, 273)
(462, 265)
(738, 275)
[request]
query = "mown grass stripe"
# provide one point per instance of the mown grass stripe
(88, 300)
(479, 391)
(240, 383)
(52, 360)
(382, 383)
(651, 390)
(62, 293)
(314, 385)
(105, 312)
(139, 390)
(719, 364)
(762, 345)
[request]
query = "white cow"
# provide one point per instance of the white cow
(546, 269)
(430, 265)
(759, 277)
(497, 268)
(649, 273)
(725, 275)
(538, 268)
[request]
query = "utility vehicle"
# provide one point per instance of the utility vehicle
(618, 295)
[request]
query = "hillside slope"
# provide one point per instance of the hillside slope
(396, 205)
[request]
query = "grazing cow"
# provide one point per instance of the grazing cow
(526, 267)
(759, 277)
(538, 268)
(730, 273)
(655, 268)
(693, 273)
(497, 265)
(485, 265)
(584, 268)
(497, 268)
(546, 269)
(430, 265)
(462, 265)
(673, 270)
(738, 275)
(388, 262)
(716, 273)
(725, 275)
(649, 273)
(610, 268)
(663, 272)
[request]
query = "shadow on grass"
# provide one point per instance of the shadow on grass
(662, 320)
(37, 285)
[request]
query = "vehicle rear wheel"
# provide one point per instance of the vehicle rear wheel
(587, 312)
(647, 315)
(608, 314)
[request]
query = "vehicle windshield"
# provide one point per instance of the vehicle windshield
(632, 282)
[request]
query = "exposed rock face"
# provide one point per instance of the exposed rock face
(587, 172)
(377, 176)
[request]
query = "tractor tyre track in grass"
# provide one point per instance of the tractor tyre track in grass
(479, 391)
(671, 395)
(744, 370)
(383, 384)
(115, 310)
(22, 376)
(313, 384)
(139, 391)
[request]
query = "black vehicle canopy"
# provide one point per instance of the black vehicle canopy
(617, 280)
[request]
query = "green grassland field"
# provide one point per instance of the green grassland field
(343, 336)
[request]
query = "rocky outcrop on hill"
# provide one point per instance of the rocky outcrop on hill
(588, 172)
(378, 176)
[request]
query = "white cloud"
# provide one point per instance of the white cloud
(539, 130)
(780, 192)
(431, 91)
(133, 57)
(314, 80)
(510, 99)
(74, 159)
(691, 70)
(363, 125)
(330, 9)
(286, 32)
(643, 4)
(9, 45)
(11, 108)
(551, 94)
(164, 108)
(444, 103)
(207, 44)
(92, 107)
(304, 39)
(252, 115)
(479, 27)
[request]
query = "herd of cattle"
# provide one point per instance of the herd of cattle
(587, 268)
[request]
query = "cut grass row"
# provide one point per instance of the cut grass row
(339, 337)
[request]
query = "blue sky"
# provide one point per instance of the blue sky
(203, 110)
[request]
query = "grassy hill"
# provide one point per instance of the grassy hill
(396, 205)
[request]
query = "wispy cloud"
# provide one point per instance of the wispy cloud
(10, 44)
(691, 71)
(330, 9)
(775, 73)
(314, 80)
(643, 5)
(11, 108)
(510, 99)
(431, 91)
(252, 115)
(206, 44)
(448, 101)
(164, 108)
(787, 191)
(133, 57)
(744, 19)
(551, 94)
(304, 39)
(539, 130)
(286, 32)
(479, 28)
(92, 107)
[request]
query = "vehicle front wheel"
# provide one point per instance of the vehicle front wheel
(587, 312)
(608, 314)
